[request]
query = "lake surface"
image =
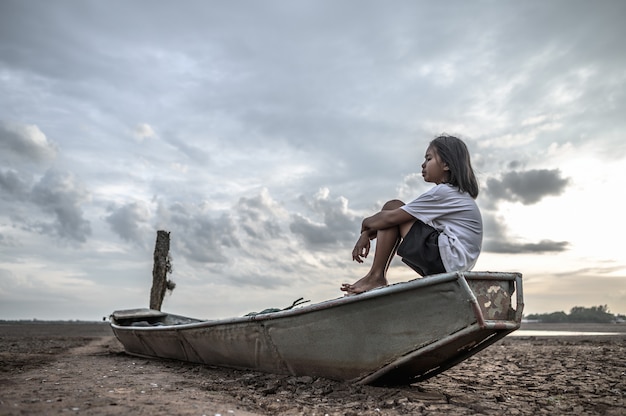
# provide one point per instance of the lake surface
(544, 333)
(537, 329)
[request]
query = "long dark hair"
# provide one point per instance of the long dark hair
(454, 153)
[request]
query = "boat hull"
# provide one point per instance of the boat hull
(399, 334)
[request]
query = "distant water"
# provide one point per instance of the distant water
(541, 333)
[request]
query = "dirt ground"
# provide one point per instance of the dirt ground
(80, 368)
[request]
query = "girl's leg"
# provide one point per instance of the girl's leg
(387, 242)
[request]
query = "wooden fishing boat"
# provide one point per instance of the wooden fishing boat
(398, 334)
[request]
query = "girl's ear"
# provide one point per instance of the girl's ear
(446, 167)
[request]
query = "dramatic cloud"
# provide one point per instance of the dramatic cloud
(527, 187)
(337, 223)
(198, 236)
(62, 195)
(129, 221)
(260, 216)
(27, 152)
(261, 133)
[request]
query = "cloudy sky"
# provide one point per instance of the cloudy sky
(261, 133)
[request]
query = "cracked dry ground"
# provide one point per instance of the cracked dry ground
(81, 368)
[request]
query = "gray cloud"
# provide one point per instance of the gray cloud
(291, 97)
(258, 217)
(337, 226)
(62, 195)
(243, 246)
(128, 221)
(13, 185)
(27, 199)
(24, 142)
(313, 233)
(544, 246)
(57, 193)
(8, 241)
(244, 231)
(527, 187)
(196, 235)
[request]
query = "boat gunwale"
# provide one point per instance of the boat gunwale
(346, 300)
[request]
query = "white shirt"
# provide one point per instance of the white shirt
(457, 217)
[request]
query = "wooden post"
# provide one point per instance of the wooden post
(160, 270)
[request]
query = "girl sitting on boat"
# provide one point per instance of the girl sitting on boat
(440, 231)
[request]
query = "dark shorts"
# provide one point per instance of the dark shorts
(420, 249)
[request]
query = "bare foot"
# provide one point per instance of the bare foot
(363, 285)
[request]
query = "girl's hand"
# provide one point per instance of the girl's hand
(361, 248)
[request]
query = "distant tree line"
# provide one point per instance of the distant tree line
(579, 314)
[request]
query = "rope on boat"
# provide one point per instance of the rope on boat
(297, 302)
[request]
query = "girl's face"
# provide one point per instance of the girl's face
(434, 169)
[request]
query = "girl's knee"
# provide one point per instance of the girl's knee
(393, 204)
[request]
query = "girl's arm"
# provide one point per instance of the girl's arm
(385, 219)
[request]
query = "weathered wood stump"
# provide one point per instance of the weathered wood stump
(162, 266)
